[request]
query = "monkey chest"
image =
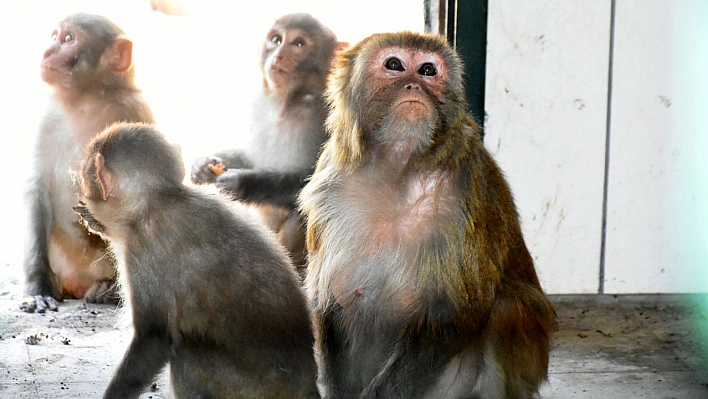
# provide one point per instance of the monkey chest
(401, 216)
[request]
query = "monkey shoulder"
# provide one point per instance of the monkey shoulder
(131, 106)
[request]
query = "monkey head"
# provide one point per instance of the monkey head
(87, 51)
(125, 164)
(296, 45)
(392, 87)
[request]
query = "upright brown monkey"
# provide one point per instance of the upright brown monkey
(89, 68)
(287, 128)
(421, 282)
(209, 290)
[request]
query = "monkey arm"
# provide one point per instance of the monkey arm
(147, 354)
(39, 278)
(266, 187)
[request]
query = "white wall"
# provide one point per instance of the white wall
(548, 72)
(657, 224)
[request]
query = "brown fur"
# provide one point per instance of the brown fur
(419, 275)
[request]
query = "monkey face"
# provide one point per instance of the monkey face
(85, 49)
(411, 80)
(283, 50)
(60, 55)
(393, 86)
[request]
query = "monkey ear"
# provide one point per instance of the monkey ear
(120, 56)
(341, 46)
(104, 179)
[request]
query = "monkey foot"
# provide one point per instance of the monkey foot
(39, 304)
(104, 291)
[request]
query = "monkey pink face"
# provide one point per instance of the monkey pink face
(282, 51)
(60, 55)
(417, 78)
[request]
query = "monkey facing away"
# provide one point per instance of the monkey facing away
(89, 68)
(209, 289)
(287, 128)
(420, 279)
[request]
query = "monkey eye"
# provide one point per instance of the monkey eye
(277, 39)
(394, 64)
(427, 69)
(68, 37)
(299, 42)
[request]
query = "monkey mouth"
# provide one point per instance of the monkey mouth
(45, 66)
(409, 102)
(278, 70)
(412, 110)
(276, 76)
(48, 73)
(412, 105)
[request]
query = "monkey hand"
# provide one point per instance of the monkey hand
(234, 182)
(201, 173)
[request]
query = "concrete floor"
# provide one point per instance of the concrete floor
(606, 347)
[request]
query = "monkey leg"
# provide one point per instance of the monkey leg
(292, 235)
(82, 266)
(519, 335)
(425, 367)
(42, 287)
(288, 227)
(147, 354)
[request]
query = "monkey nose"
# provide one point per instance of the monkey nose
(413, 86)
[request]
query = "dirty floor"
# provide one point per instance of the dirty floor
(606, 347)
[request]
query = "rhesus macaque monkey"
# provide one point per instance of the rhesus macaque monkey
(421, 283)
(89, 68)
(210, 290)
(287, 128)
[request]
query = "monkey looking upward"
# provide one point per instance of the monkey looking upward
(209, 289)
(89, 68)
(420, 279)
(287, 128)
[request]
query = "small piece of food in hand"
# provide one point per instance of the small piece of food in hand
(217, 169)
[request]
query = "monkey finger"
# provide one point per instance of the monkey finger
(45, 302)
(200, 173)
(28, 305)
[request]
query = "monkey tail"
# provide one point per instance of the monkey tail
(370, 391)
